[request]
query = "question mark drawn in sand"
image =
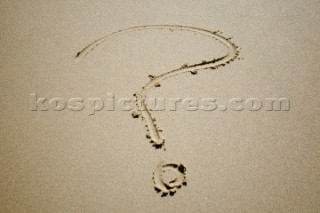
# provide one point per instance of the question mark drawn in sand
(161, 183)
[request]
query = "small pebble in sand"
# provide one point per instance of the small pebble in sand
(157, 85)
(135, 114)
(194, 72)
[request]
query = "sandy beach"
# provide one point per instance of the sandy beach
(149, 106)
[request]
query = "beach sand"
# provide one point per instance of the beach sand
(224, 160)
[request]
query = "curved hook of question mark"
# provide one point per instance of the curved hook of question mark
(154, 135)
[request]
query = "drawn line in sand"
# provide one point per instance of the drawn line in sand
(154, 133)
(169, 184)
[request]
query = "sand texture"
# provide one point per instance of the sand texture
(79, 131)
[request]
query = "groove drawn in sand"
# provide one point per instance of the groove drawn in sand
(169, 184)
(154, 133)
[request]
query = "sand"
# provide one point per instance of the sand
(76, 151)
